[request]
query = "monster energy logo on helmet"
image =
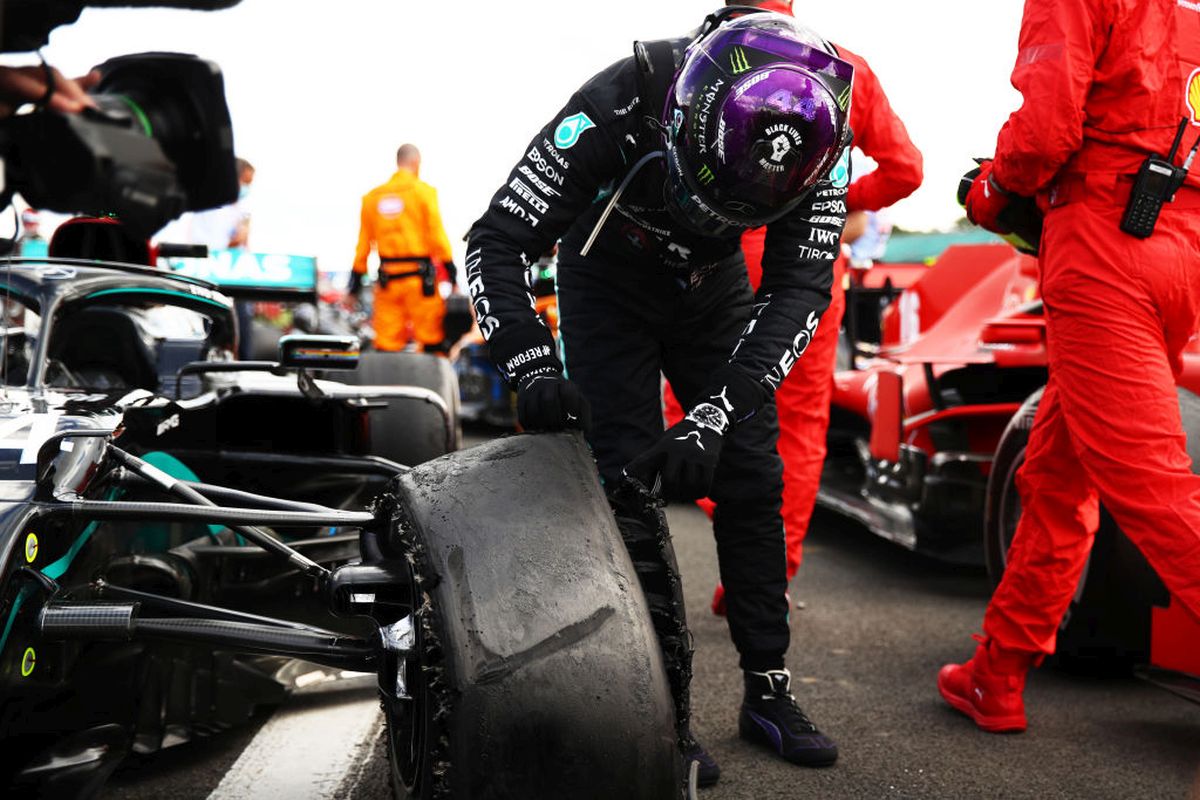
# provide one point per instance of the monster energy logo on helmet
(705, 175)
(738, 61)
(843, 99)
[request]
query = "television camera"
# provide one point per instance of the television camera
(158, 142)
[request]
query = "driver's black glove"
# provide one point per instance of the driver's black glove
(682, 463)
(546, 401)
(550, 402)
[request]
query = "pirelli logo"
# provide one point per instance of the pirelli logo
(525, 193)
(738, 61)
(705, 175)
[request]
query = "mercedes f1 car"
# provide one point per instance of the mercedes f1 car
(926, 437)
(177, 527)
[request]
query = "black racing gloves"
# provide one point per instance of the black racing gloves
(546, 401)
(682, 463)
(550, 402)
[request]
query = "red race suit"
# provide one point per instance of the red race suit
(1105, 83)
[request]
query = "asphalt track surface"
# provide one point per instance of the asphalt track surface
(876, 624)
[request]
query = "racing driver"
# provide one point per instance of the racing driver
(1107, 83)
(649, 175)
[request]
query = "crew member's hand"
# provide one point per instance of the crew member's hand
(353, 300)
(21, 85)
(547, 401)
(682, 463)
(986, 200)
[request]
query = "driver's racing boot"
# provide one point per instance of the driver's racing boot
(709, 771)
(989, 687)
(771, 717)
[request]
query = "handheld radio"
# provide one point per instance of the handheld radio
(1155, 183)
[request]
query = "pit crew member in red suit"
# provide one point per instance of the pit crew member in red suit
(1105, 83)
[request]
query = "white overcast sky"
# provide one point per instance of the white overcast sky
(323, 91)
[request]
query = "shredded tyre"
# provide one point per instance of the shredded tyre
(540, 673)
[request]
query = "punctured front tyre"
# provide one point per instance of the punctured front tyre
(542, 673)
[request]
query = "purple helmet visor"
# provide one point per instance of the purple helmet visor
(758, 115)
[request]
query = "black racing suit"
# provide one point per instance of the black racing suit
(651, 298)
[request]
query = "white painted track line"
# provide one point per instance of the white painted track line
(309, 747)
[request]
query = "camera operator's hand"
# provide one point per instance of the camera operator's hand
(21, 85)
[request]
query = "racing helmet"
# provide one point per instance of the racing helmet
(755, 116)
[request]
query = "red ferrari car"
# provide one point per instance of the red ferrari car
(927, 433)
